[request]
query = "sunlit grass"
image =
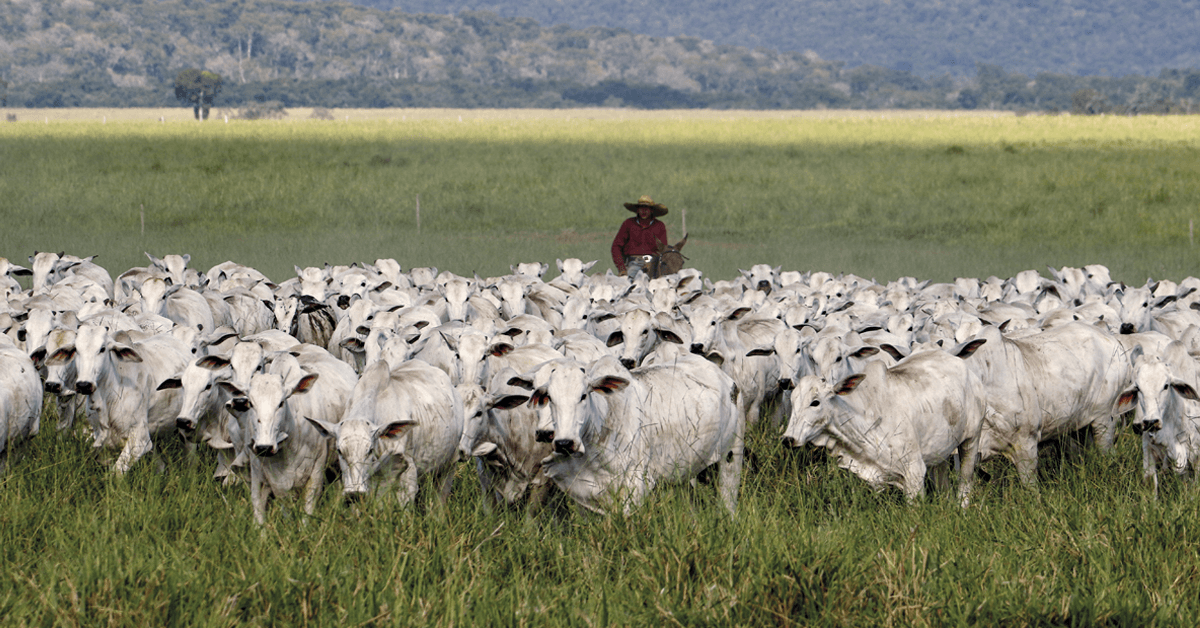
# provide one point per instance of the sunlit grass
(925, 194)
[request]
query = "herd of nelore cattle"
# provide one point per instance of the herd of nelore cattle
(592, 385)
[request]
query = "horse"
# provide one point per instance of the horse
(667, 260)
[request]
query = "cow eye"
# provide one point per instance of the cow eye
(815, 403)
(1166, 386)
(209, 386)
(583, 396)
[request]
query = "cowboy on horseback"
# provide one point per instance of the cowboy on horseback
(640, 237)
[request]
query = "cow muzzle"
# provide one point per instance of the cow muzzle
(567, 447)
(265, 451)
(698, 349)
(85, 388)
(544, 436)
(1147, 426)
(185, 425)
(53, 388)
(790, 442)
(628, 363)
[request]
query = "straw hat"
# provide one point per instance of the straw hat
(646, 201)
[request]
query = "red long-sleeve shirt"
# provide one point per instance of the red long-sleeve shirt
(634, 238)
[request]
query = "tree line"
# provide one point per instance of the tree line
(64, 53)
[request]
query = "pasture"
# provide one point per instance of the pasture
(923, 194)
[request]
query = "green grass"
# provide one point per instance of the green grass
(810, 545)
(934, 197)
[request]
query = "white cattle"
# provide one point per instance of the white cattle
(618, 433)
(1046, 384)
(1167, 412)
(120, 377)
(49, 268)
(401, 424)
(176, 268)
(202, 417)
(500, 433)
(180, 304)
(888, 426)
(288, 453)
(729, 339)
(20, 400)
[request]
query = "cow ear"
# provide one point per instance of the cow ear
(667, 335)
(306, 383)
(212, 362)
(738, 313)
(968, 348)
(61, 356)
(500, 349)
(539, 398)
(328, 430)
(615, 339)
(508, 402)
(1126, 401)
(395, 429)
(170, 384)
(893, 351)
(126, 353)
(847, 386)
(865, 352)
(761, 352)
(610, 384)
(1185, 390)
(354, 345)
(521, 382)
(233, 391)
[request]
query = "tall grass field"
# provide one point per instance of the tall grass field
(922, 194)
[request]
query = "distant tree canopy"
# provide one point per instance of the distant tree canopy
(69, 53)
(198, 88)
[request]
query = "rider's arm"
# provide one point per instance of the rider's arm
(618, 246)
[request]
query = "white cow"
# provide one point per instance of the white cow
(120, 376)
(1167, 413)
(1046, 384)
(500, 434)
(20, 400)
(401, 424)
(888, 426)
(288, 452)
(619, 433)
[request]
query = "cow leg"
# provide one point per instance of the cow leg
(1150, 464)
(968, 456)
(447, 483)
(406, 491)
(137, 444)
(1024, 457)
(258, 497)
(1104, 432)
(914, 480)
(312, 488)
(67, 406)
(729, 471)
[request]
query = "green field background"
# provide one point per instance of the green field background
(929, 195)
(922, 194)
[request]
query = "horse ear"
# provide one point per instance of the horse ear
(682, 242)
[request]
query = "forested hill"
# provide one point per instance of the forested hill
(337, 54)
(928, 37)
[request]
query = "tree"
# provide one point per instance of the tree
(198, 88)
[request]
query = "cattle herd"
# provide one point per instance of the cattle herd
(594, 386)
